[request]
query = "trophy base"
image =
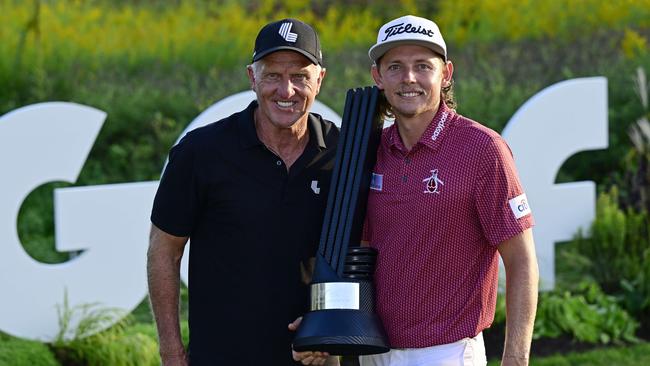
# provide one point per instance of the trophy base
(341, 332)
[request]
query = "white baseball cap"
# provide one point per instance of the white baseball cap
(408, 29)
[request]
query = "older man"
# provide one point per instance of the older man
(250, 192)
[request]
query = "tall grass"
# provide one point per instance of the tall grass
(85, 339)
(491, 21)
(205, 34)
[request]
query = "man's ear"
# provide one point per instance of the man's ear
(321, 76)
(374, 71)
(447, 73)
(251, 76)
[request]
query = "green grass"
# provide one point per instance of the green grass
(638, 354)
(14, 351)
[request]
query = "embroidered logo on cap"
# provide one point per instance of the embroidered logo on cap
(409, 28)
(285, 32)
(377, 182)
(433, 182)
(519, 206)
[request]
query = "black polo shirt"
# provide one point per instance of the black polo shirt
(250, 223)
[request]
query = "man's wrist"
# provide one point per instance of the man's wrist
(333, 361)
(515, 360)
(172, 353)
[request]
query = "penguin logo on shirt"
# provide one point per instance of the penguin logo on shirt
(433, 182)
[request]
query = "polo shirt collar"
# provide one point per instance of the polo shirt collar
(432, 136)
(248, 135)
(316, 131)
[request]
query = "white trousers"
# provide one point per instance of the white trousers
(466, 352)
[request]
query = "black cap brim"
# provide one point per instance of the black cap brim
(259, 56)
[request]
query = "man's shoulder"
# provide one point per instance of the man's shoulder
(216, 133)
(326, 124)
(328, 129)
(475, 131)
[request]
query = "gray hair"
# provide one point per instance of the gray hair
(258, 65)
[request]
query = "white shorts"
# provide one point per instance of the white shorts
(466, 352)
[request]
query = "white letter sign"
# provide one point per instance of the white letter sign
(50, 142)
(553, 125)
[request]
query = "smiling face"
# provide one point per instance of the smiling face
(286, 84)
(412, 77)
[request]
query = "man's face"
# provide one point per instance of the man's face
(411, 77)
(286, 84)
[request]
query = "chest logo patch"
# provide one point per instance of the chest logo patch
(315, 187)
(377, 182)
(433, 183)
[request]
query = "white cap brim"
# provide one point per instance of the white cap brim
(378, 50)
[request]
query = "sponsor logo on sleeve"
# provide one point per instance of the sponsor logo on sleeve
(519, 206)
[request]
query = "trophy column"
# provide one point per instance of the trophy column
(342, 320)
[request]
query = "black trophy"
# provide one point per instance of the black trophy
(342, 320)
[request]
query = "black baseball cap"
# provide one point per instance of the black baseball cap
(288, 34)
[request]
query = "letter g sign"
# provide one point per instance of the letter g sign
(50, 142)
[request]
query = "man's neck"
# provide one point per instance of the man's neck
(287, 143)
(411, 128)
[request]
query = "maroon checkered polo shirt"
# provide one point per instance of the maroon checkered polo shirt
(436, 214)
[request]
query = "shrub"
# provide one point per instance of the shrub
(636, 293)
(617, 243)
(110, 348)
(638, 160)
(15, 351)
(618, 250)
(82, 339)
(585, 314)
(588, 315)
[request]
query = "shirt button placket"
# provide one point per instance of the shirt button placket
(285, 180)
(405, 176)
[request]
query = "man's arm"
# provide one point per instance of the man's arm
(522, 277)
(163, 273)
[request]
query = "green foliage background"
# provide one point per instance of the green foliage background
(154, 65)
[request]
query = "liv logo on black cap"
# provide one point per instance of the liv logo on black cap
(294, 35)
(285, 32)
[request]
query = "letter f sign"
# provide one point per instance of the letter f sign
(553, 125)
